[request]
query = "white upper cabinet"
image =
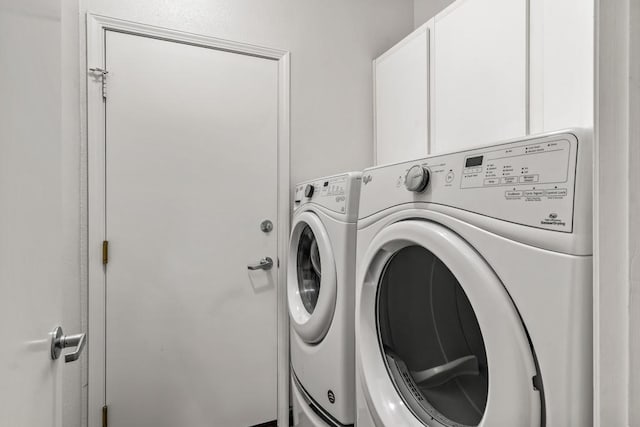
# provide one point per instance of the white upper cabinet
(401, 91)
(496, 69)
(562, 64)
(479, 74)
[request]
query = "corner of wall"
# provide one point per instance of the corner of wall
(423, 10)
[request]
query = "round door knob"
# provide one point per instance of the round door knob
(308, 190)
(417, 179)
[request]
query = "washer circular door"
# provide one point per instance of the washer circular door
(441, 343)
(311, 278)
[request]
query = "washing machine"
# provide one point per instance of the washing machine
(474, 287)
(321, 299)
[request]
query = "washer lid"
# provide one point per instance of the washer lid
(441, 343)
(311, 279)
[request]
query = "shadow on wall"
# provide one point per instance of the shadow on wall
(423, 10)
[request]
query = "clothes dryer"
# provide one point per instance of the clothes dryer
(474, 287)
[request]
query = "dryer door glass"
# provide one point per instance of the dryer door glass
(309, 269)
(431, 340)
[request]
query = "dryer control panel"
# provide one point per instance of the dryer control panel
(531, 182)
(528, 165)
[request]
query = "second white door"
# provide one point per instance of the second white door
(191, 172)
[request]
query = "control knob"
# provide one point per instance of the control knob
(417, 178)
(308, 191)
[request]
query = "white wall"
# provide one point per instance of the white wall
(332, 43)
(634, 216)
(423, 10)
(617, 308)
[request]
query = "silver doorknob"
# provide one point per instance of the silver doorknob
(264, 264)
(60, 341)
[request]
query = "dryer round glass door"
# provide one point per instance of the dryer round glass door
(311, 279)
(433, 347)
(438, 325)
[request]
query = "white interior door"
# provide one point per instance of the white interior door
(35, 239)
(191, 172)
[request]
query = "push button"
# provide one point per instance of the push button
(557, 192)
(534, 193)
(527, 179)
(449, 177)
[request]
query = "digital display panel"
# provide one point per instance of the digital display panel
(473, 161)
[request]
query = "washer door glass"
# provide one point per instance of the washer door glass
(431, 341)
(311, 278)
(309, 269)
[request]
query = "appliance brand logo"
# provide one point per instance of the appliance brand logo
(553, 219)
(331, 396)
(367, 179)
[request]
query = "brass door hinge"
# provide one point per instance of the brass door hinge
(105, 252)
(105, 420)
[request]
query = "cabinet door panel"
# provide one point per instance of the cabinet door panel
(480, 73)
(562, 70)
(402, 100)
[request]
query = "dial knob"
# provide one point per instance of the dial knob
(417, 179)
(308, 190)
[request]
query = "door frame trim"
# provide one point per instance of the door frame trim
(97, 25)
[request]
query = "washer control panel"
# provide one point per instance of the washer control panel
(332, 192)
(529, 182)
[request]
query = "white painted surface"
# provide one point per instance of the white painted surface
(38, 245)
(332, 44)
(561, 64)
(423, 10)
(614, 128)
(480, 72)
(634, 216)
(184, 317)
(401, 100)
